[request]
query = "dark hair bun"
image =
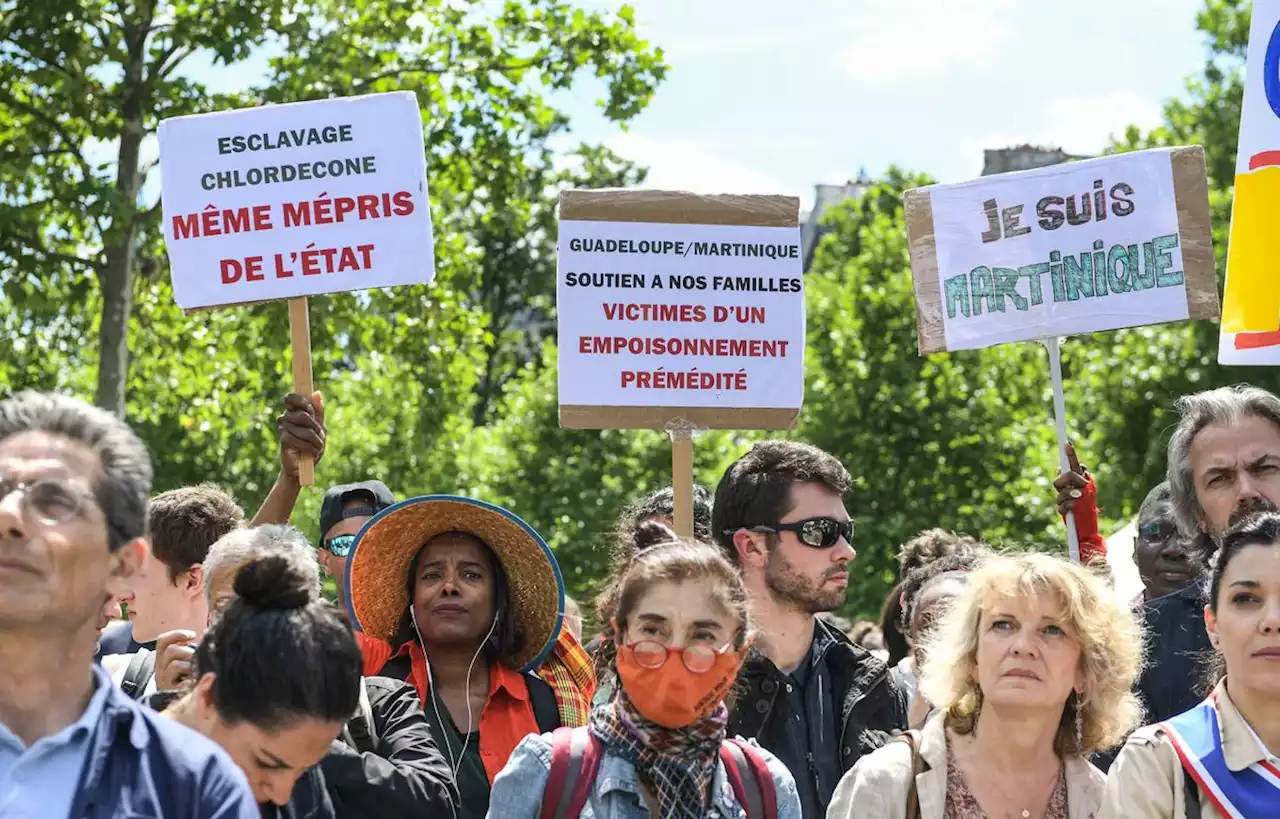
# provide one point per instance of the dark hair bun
(652, 533)
(273, 582)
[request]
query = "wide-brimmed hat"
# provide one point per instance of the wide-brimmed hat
(378, 567)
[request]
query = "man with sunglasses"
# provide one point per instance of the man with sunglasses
(74, 482)
(344, 510)
(1161, 553)
(813, 698)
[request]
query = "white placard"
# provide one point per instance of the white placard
(675, 315)
(1059, 251)
(295, 200)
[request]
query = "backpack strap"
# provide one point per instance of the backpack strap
(140, 671)
(360, 732)
(575, 758)
(917, 767)
(543, 699)
(750, 778)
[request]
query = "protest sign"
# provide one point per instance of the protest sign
(1251, 297)
(1118, 241)
(282, 201)
(679, 312)
(288, 201)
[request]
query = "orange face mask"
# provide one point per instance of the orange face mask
(671, 695)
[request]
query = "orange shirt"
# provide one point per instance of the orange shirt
(506, 719)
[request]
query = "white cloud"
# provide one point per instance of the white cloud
(1077, 123)
(687, 165)
(893, 39)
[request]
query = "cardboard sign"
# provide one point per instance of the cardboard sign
(294, 200)
(1114, 242)
(1251, 299)
(678, 308)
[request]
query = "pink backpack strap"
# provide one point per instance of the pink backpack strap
(750, 778)
(575, 758)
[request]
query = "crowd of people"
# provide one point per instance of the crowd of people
(451, 678)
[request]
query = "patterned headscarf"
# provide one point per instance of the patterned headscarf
(678, 763)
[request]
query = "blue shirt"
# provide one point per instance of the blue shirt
(134, 763)
(34, 781)
(809, 736)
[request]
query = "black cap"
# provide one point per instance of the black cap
(374, 493)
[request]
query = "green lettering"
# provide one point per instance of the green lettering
(1006, 280)
(1033, 272)
(1056, 277)
(1145, 279)
(1127, 258)
(982, 287)
(957, 288)
(1079, 276)
(1164, 276)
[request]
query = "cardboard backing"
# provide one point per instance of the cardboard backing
(1191, 199)
(677, 208)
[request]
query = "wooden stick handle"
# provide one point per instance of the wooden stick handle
(1060, 422)
(300, 339)
(682, 481)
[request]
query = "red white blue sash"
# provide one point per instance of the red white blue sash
(1253, 793)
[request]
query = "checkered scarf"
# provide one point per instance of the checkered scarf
(568, 671)
(678, 763)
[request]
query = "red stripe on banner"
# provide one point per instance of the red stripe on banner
(1252, 341)
(1189, 766)
(1264, 159)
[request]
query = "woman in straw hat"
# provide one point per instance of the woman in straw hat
(677, 632)
(465, 601)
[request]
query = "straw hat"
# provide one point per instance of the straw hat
(378, 567)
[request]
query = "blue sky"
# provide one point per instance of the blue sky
(762, 101)
(772, 97)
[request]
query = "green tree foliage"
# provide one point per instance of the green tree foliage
(452, 388)
(83, 75)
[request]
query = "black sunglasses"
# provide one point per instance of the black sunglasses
(818, 533)
(1156, 532)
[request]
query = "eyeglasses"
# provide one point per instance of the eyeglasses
(818, 533)
(340, 545)
(654, 655)
(48, 501)
(1156, 532)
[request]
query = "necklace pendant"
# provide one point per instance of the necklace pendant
(1026, 814)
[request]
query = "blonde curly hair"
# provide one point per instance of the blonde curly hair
(1108, 633)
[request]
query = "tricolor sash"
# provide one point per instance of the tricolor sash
(1253, 793)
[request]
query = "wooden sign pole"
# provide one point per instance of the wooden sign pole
(682, 480)
(1060, 419)
(300, 339)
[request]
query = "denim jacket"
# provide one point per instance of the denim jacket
(517, 791)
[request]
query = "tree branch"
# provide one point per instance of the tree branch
(33, 242)
(6, 97)
(500, 67)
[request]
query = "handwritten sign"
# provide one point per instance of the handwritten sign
(1251, 298)
(678, 307)
(1106, 243)
(294, 200)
